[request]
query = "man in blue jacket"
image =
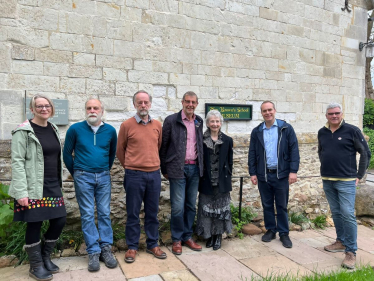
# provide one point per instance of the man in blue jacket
(94, 145)
(273, 161)
(338, 144)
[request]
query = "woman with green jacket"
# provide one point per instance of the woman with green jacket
(36, 185)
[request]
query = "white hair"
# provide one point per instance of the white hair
(334, 105)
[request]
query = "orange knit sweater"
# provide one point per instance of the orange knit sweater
(138, 145)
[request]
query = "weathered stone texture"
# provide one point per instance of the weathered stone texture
(299, 54)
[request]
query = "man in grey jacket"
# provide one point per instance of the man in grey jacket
(181, 156)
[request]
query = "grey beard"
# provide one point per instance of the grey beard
(92, 120)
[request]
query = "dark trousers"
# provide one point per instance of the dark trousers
(142, 186)
(275, 190)
(33, 230)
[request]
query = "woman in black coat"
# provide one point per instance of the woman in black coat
(214, 217)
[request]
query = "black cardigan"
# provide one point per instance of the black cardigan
(224, 171)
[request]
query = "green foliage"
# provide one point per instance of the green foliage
(368, 118)
(320, 221)
(118, 231)
(363, 273)
(70, 238)
(247, 216)
(297, 218)
(370, 134)
(6, 211)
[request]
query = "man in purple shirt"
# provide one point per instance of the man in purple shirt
(181, 156)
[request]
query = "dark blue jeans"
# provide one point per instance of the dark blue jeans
(91, 188)
(275, 190)
(183, 193)
(142, 186)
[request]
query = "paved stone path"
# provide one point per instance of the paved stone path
(238, 259)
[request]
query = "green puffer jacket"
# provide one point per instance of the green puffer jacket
(28, 163)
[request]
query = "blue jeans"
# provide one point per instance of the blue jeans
(275, 190)
(142, 186)
(341, 196)
(183, 193)
(91, 188)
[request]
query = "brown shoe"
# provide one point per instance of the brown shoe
(349, 260)
(192, 245)
(337, 246)
(176, 249)
(157, 252)
(130, 255)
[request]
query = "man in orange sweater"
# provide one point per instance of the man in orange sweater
(139, 142)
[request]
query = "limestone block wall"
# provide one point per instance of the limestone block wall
(302, 54)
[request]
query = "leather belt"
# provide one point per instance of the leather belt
(271, 171)
(190, 162)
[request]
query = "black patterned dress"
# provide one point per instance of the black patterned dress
(52, 204)
(214, 215)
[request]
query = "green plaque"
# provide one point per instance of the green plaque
(61, 111)
(231, 111)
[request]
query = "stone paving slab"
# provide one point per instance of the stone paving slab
(325, 266)
(317, 241)
(246, 248)
(215, 266)
(107, 274)
(148, 278)
(73, 263)
(276, 264)
(310, 233)
(146, 264)
(184, 275)
(362, 257)
(299, 253)
(20, 273)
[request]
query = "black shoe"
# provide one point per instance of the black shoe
(268, 236)
(286, 241)
(217, 242)
(209, 242)
(37, 269)
(47, 250)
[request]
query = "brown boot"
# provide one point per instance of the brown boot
(349, 260)
(177, 248)
(130, 255)
(337, 246)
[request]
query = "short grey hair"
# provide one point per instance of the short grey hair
(334, 105)
(101, 103)
(214, 113)
(141, 91)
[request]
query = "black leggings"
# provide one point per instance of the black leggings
(33, 230)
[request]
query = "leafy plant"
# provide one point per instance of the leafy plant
(368, 118)
(118, 231)
(320, 221)
(370, 134)
(70, 238)
(297, 218)
(6, 210)
(247, 215)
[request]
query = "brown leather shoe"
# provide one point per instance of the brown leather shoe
(157, 252)
(130, 255)
(192, 245)
(176, 249)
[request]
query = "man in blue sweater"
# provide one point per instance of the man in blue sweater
(338, 144)
(93, 143)
(273, 161)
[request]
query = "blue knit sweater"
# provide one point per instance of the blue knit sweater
(93, 152)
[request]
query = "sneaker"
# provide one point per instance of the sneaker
(286, 241)
(93, 262)
(349, 260)
(337, 246)
(107, 257)
(268, 236)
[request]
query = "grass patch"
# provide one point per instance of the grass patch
(320, 221)
(298, 218)
(362, 273)
(247, 216)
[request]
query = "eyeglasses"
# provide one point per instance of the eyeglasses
(140, 103)
(333, 113)
(43, 106)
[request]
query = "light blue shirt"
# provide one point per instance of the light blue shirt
(271, 142)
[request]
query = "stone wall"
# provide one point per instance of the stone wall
(302, 54)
